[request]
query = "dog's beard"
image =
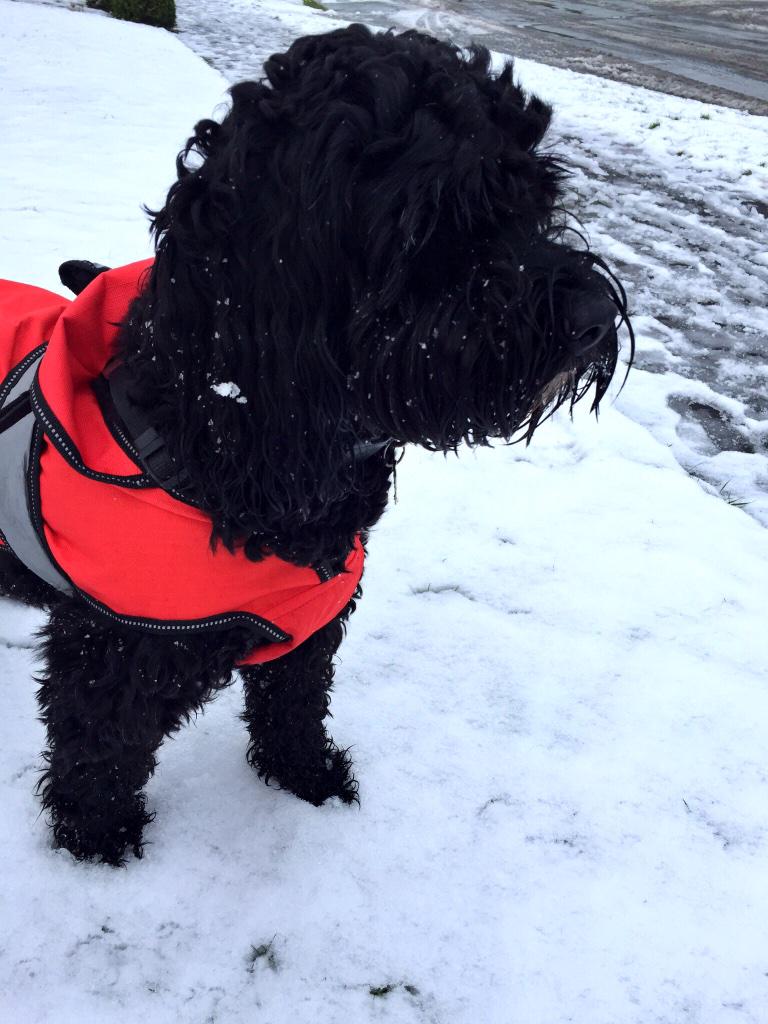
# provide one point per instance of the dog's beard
(487, 367)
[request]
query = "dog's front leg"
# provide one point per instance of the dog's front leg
(107, 697)
(286, 702)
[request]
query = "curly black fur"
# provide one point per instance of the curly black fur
(370, 245)
(21, 585)
(108, 696)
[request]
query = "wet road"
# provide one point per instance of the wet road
(716, 50)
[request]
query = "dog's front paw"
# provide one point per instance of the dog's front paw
(333, 778)
(99, 840)
(318, 781)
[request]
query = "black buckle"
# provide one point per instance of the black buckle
(326, 570)
(150, 446)
(148, 443)
(17, 410)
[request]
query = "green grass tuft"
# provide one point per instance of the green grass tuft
(266, 953)
(730, 499)
(381, 990)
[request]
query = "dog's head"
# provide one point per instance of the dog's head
(368, 245)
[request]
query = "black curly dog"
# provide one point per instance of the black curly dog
(389, 237)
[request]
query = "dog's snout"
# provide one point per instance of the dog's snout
(591, 318)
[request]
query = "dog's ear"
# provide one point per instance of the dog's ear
(235, 341)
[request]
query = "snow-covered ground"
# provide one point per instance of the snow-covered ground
(556, 687)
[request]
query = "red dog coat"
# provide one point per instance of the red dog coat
(129, 548)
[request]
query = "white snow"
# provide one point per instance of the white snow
(228, 389)
(556, 686)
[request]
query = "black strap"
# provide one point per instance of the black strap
(150, 447)
(15, 411)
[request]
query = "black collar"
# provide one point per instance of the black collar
(131, 425)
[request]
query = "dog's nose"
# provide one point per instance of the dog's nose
(591, 318)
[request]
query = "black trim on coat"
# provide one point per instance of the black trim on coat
(264, 630)
(66, 447)
(17, 372)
